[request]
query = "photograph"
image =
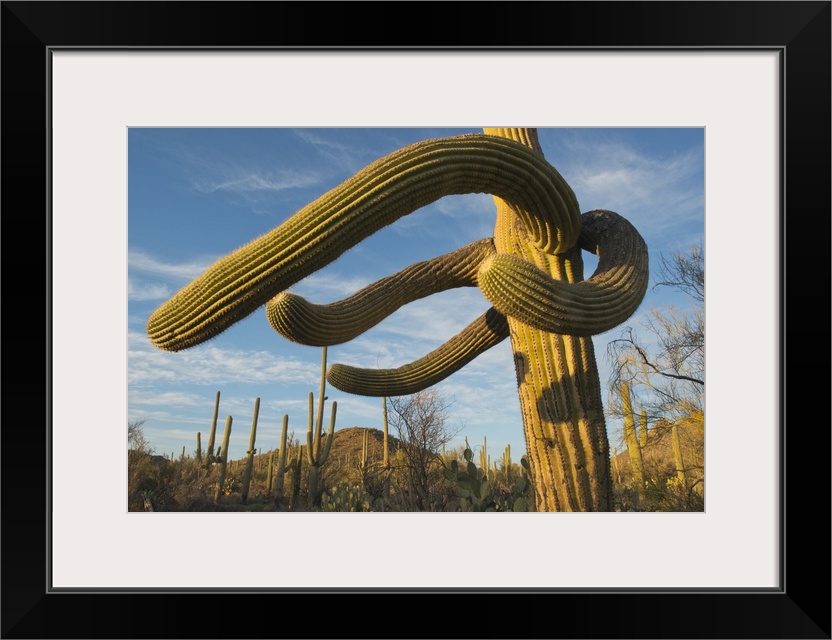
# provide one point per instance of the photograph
(271, 268)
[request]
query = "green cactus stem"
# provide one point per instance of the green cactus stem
(642, 429)
(507, 470)
(281, 462)
(250, 453)
(677, 456)
(270, 474)
(198, 447)
(329, 324)
(521, 290)
(223, 454)
(484, 460)
(386, 190)
(212, 434)
(485, 332)
(317, 446)
(297, 472)
(631, 438)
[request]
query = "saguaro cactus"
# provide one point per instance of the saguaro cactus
(223, 456)
(250, 453)
(281, 462)
(631, 437)
(531, 271)
(212, 434)
(318, 446)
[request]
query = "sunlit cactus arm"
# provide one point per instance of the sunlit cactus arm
(520, 290)
(485, 332)
(386, 190)
(327, 324)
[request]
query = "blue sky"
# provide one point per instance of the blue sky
(197, 194)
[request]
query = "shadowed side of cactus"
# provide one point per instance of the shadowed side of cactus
(557, 375)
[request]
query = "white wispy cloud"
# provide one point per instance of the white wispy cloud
(210, 364)
(141, 292)
(329, 286)
(139, 261)
(347, 158)
(654, 192)
(245, 180)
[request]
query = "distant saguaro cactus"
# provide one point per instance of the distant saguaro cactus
(531, 271)
(209, 459)
(223, 456)
(318, 445)
(250, 453)
(631, 437)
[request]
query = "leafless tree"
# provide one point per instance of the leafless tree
(421, 425)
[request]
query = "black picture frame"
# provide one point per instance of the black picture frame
(799, 31)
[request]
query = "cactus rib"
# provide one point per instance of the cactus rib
(522, 291)
(320, 325)
(386, 190)
(488, 330)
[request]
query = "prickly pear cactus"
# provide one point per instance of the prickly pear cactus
(346, 498)
(476, 493)
(530, 270)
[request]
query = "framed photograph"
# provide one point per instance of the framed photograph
(87, 84)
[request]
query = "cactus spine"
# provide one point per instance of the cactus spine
(250, 452)
(223, 456)
(317, 446)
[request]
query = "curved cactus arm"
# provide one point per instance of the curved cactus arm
(327, 324)
(488, 330)
(522, 291)
(386, 190)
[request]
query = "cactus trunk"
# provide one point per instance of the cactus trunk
(558, 383)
